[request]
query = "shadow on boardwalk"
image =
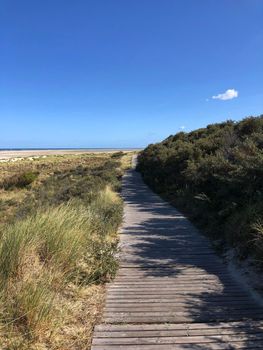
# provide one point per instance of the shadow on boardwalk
(163, 243)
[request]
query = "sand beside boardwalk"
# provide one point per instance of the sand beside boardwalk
(30, 153)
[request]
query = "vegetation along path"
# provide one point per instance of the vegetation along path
(172, 291)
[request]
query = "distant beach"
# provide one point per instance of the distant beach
(22, 153)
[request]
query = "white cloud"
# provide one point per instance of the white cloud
(228, 95)
(182, 127)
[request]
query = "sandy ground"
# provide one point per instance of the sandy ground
(33, 153)
(246, 272)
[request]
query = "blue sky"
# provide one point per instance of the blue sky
(125, 73)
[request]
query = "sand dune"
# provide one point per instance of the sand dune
(10, 154)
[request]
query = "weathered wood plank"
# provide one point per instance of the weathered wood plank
(250, 325)
(136, 313)
(172, 291)
(176, 333)
(174, 302)
(236, 346)
(176, 308)
(212, 346)
(180, 340)
(178, 318)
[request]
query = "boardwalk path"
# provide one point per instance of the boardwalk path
(172, 291)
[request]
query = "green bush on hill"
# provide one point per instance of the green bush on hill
(215, 174)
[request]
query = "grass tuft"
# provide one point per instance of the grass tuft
(61, 242)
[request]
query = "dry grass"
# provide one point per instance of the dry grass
(11, 199)
(56, 256)
(126, 160)
(77, 311)
(49, 262)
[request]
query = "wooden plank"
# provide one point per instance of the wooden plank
(176, 268)
(180, 340)
(193, 313)
(169, 271)
(174, 279)
(191, 260)
(173, 284)
(236, 346)
(172, 291)
(176, 333)
(200, 292)
(176, 286)
(170, 303)
(216, 290)
(175, 308)
(178, 318)
(177, 252)
(189, 326)
(168, 266)
(175, 300)
(162, 278)
(169, 284)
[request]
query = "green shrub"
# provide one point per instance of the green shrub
(117, 155)
(215, 174)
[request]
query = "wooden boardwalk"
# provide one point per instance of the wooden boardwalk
(172, 291)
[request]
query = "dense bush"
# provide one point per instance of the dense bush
(117, 155)
(215, 174)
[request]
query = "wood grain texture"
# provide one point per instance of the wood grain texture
(172, 291)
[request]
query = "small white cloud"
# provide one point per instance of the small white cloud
(182, 127)
(228, 95)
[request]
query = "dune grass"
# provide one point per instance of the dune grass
(56, 251)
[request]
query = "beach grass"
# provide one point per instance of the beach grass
(57, 249)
